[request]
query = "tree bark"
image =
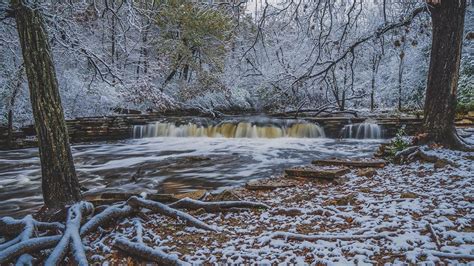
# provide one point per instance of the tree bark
(16, 89)
(440, 103)
(59, 182)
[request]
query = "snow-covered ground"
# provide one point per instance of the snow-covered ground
(387, 218)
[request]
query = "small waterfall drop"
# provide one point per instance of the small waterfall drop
(229, 130)
(365, 130)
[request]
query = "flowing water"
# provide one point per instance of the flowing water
(181, 158)
(365, 130)
(262, 128)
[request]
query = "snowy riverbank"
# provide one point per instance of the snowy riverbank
(398, 215)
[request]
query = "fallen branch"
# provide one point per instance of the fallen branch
(449, 255)
(147, 253)
(190, 204)
(301, 237)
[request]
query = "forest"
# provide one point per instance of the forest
(189, 132)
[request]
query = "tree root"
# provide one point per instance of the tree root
(190, 204)
(163, 209)
(111, 213)
(147, 253)
(416, 152)
(70, 239)
(28, 246)
(10, 226)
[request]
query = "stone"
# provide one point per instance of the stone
(269, 184)
(367, 172)
(408, 195)
(317, 172)
(197, 194)
(343, 201)
(197, 158)
(226, 195)
(288, 212)
(440, 164)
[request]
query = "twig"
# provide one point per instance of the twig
(434, 236)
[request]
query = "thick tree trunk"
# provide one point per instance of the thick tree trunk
(16, 90)
(59, 182)
(440, 103)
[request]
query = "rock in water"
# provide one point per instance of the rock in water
(317, 172)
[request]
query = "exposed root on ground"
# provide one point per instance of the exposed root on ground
(413, 153)
(70, 238)
(190, 204)
(147, 253)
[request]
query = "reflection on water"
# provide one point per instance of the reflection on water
(167, 165)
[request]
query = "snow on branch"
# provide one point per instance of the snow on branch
(147, 253)
(191, 204)
(163, 209)
(301, 237)
(31, 245)
(350, 50)
(111, 213)
(71, 238)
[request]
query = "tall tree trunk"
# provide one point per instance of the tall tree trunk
(440, 103)
(400, 77)
(59, 182)
(16, 89)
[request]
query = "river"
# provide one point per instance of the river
(168, 165)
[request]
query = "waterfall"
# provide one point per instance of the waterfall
(229, 130)
(365, 130)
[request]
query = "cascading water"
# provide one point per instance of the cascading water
(230, 129)
(365, 130)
